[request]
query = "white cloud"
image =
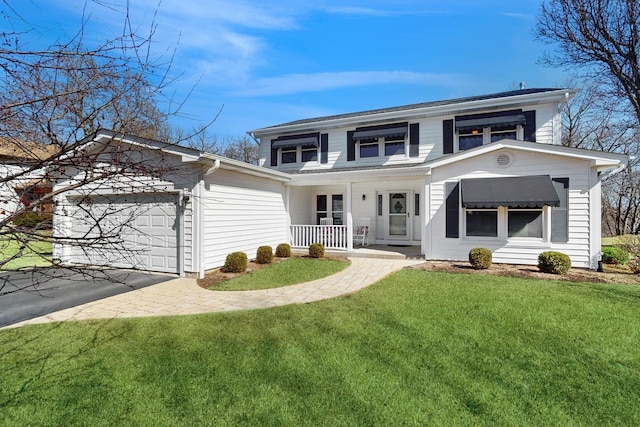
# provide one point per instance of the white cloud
(299, 83)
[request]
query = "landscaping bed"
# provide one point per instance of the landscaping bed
(612, 274)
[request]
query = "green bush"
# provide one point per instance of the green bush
(480, 258)
(316, 250)
(283, 250)
(32, 220)
(264, 255)
(631, 244)
(554, 262)
(614, 255)
(236, 262)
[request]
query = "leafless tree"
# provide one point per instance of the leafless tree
(53, 101)
(599, 40)
(241, 148)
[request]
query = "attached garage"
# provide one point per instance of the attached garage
(138, 231)
(181, 212)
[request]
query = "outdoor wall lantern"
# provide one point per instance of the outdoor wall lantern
(364, 197)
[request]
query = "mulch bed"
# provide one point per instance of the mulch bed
(611, 274)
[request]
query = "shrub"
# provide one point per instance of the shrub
(631, 244)
(614, 255)
(283, 250)
(32, 220)
(236, 262)
(480, 258)
(264, 255)
(316, 250)
(554, 262)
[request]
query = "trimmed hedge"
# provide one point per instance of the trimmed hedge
(480, 258)
(264, 255)
(283, 250)
(236, 262)
(316, 250)
(554, 262)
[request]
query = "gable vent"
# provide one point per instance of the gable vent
(504, 160)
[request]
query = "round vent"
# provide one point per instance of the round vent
(504, 160)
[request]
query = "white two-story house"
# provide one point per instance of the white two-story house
(483, 171)
(444, 177)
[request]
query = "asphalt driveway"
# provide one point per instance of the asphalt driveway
(25, 295)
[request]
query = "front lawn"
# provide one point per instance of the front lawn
(417, 348)
(283, 273)
(35, 254)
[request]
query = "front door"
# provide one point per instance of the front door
(398, 215)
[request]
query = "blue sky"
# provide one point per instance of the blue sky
(270, 62)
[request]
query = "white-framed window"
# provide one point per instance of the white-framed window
(525, 223)
(369, 147)
(505, 223)
(471, 138)
(389, 146)
(481, 222)
(288, 155)
(334, 210)
(309, 153)
(304, 154)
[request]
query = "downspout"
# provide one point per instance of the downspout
(199, 214)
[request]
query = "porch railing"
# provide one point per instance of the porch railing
(331, 236)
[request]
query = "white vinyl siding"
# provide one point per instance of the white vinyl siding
(241, 213)
(515, 250)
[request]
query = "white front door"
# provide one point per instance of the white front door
(398, 209)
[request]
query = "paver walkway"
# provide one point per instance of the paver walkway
(183, 296)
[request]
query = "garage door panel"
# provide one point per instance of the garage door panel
(144, 225)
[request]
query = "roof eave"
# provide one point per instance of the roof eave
(559, 95)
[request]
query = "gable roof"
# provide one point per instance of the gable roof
(494, 100)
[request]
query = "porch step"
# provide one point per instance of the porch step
(373, 251)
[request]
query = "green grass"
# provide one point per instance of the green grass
(285, 273)
(418, 348)
(36, 254)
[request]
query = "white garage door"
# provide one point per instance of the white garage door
(132, 231)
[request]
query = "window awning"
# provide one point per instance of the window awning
(296, 141)
(385, 131)
(513, 192)
(498, 121)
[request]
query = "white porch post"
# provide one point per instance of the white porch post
(287, 197)
(349, 220)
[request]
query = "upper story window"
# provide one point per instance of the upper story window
(479, 129)
(293, 149)
(398, 140)
(388, 140)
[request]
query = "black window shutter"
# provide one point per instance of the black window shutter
(324, 148)
(447, 137)
(414, 139)
(530, 126)
(452, 208)
(351, 147)
(560, 214)
(274, 154)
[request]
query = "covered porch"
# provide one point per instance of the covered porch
(352, 211)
